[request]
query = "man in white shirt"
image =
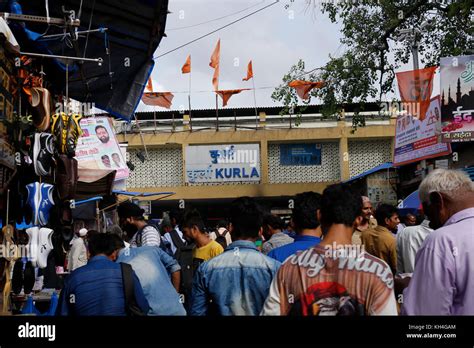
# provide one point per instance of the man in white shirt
(132, 215)
(409, 240)
(169, 226)
(78, 253)
(223, 230)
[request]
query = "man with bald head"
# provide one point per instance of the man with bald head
(367, 221)
(443, 280)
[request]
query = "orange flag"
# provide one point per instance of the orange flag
(415, 88)
(226, 94)
(162, 99)
(149, 85)
(215, 78)
(215, 60)
(249, 72)
(304, 87)
(186, 69)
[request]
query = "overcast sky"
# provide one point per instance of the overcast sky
(274, 39)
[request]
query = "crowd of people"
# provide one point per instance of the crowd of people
(338, 256)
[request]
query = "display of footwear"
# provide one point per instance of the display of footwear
(23, 225)
(21, 237)
(45, 245)
(66, 130)
(67, 234)
(17, 278)
(28, 278)
(57, 127)
(41, 102)
(74, 131)
(66, 177)
(43, 151)
(40, 199)
(33, 234)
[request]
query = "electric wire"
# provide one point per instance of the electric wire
(215, 19)
(216, 30)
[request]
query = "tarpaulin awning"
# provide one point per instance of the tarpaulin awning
(134, 31)
(378, 168)
(412, 201)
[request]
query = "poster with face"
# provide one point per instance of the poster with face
(457, 98)
(417, 139)
(98, 148)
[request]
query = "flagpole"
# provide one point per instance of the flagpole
(255, 103)
(217, 114)
(189, 103)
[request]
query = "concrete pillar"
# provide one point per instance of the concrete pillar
(263, 118)
(186, 122)
(264, 161)
(183, 151)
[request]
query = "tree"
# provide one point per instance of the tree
(370, 31)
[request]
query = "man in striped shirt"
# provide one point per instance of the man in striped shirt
(131, 217)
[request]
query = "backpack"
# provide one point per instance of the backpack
(220, 238)
(184, 256)
(131, 307)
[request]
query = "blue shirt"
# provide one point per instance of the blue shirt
(97, 289)
(237, 281)
(292, 234)
(153, 267)
(300, 243)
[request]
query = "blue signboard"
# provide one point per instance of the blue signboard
(300, 154)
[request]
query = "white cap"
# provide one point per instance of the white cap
(82, 232)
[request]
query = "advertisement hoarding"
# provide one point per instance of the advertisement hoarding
(457, 98)
(417, 139)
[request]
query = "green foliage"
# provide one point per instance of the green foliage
(370, 30)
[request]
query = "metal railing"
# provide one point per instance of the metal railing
(178, 123)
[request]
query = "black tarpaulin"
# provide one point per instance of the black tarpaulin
(135, 29)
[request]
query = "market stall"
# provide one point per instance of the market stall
(59, 164)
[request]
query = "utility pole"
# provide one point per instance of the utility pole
(413, 36)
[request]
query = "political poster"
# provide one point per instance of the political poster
(457, 98)
(98, 148)
(417, 139)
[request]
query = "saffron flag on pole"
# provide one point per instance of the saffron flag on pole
(249, 72)
(149, 85)
(186, 69)
(226, 94)
(304, 87)
(415, 88)
(215, 60)
(162, 99)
